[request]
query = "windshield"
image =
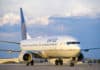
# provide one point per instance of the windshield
(72, 42)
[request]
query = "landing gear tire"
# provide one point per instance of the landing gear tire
(27, 64)
(31, 62)
(61, 62)
(72, 64)
(58, 62)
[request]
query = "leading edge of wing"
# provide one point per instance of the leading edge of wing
(86, 50)
(10, 42)
(9, 50)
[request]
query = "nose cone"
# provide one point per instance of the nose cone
(77, 47)
(76, 50)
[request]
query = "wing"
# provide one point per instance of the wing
(37, 54)
(10, 42)
(86, 50)
(10, 51)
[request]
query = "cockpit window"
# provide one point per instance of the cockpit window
(73, 42)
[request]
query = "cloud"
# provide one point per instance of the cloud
(42, 10)
(78, 10)
(52, 7)
(83, 8)
(9, 18)
(39, 20)
(12, 19)
(11, 36)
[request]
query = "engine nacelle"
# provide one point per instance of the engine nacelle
(80, 57)
(25, 57)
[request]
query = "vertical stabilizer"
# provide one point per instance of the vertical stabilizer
(23, 27)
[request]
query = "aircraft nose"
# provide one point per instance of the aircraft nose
(78, 49)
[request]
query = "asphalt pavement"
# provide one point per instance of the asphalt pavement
(45, 66)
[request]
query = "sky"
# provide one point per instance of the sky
(76, 18)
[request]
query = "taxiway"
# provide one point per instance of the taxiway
(42, 66)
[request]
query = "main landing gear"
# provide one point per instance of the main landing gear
(73, 62)
(31, 62)
(59, 62)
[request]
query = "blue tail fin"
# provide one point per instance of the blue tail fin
(23, 27)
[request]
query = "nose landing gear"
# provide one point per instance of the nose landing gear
(73, 62)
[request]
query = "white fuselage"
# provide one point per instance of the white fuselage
(52, 47)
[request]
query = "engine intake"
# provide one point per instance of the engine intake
(80, 57)
(27, 57)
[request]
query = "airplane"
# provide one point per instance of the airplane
(55, 49)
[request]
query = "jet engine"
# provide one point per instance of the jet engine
(25, 57)
(80, 57)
